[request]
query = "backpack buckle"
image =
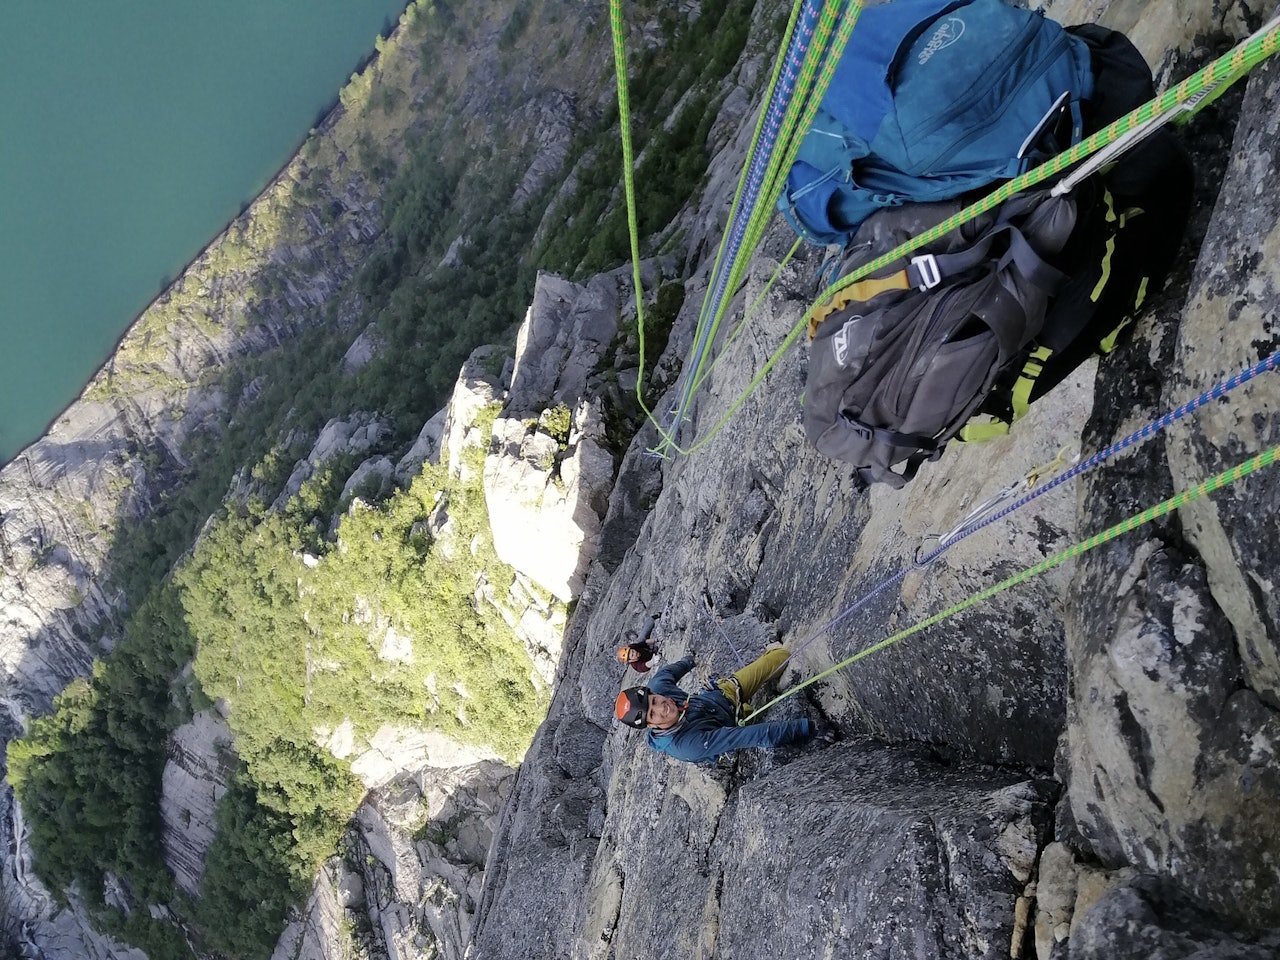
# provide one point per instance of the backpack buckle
(924, 271)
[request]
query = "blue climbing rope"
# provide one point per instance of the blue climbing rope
(1216, 392)
(754, 180)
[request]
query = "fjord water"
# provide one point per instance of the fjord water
(130, 134)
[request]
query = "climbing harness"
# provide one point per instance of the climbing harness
(731, 688)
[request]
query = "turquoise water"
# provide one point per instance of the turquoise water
(130, 133)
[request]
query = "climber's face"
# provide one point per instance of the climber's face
(663, 712)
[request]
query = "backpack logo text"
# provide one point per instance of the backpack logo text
(948, 32)
(840, 341)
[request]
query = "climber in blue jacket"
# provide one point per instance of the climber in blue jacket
(704, 725)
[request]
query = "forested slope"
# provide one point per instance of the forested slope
(170, 549)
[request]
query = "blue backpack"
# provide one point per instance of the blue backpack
(933, 98)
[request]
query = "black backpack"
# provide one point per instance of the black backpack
(993, 314)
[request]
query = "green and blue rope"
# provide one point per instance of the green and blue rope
(1216, 76)
(1225, 478)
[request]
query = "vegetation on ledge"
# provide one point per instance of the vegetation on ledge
(296, 628)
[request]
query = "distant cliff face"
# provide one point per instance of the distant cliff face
(283, 268)
(1083, 766)
(1078, 767)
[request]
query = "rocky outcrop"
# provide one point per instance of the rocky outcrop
(426, 449)
(555, 121)
(1136, 919)
(392, 750)
(363, 349)
(547, 500)
(565, 334)
(195, 777)
(1230, 320)
(536, 618)
(340, 437)
(547, 484)
(408, 884)
(373, 479)
(479, 386)
(323, 929)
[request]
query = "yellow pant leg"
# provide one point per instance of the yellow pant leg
(757, 673)
(730, 690)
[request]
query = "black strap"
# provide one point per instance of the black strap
(1068, 324)
(910, 467)
(889, 437)
(1020, 253)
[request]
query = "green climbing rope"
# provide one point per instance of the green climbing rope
(791, 136)
(1223, 479)
(821, 58)
(1214, 78)
(628, 176)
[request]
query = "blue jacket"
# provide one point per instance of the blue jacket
(709, 727)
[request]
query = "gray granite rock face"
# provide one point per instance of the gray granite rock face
(363, 349)
(1138, 919)
(1172, 745)
(478, 386)
(409, 881)
(1137, 684)
(566, 332)
(554, 118)
(35, 924)
(1172, 759)
(1122, 707)
(890, 853)
(425, 449)
(374, 476)
(546, 502)
(195, 777)
(1230, 322)
(547, 494)
(858, 849)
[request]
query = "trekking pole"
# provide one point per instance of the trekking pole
(1179, 113)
